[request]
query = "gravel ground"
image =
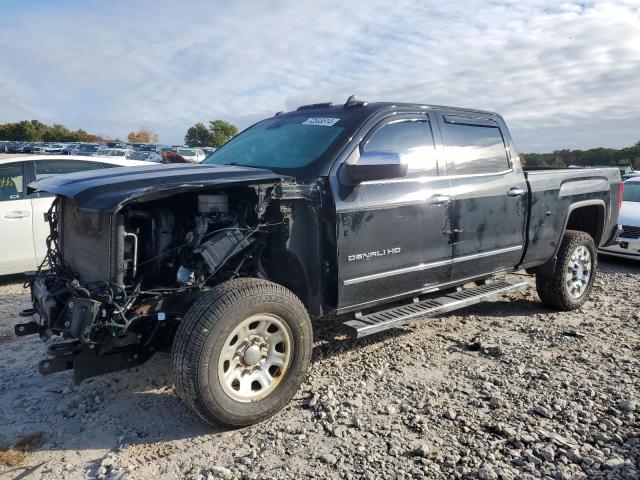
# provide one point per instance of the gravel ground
(507, 389)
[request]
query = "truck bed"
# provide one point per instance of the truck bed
(553, 193)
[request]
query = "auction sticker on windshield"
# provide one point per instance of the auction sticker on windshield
(321, 121)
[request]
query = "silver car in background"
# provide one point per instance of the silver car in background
(628, 245)
(192, 155)
(123, 153)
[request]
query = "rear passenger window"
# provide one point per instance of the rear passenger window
(49, 168)
(412, 140)
(474, 149)
(11, 181)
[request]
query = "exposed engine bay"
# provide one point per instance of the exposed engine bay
(118, 284)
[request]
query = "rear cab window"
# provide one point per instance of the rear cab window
(412, 139)
(474, 147)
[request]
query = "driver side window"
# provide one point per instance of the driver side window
(412, 140)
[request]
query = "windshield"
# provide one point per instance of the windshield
(280, 142)
(185, 152)
(631, 192)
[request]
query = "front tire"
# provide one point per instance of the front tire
(241, 352)
(569, 286)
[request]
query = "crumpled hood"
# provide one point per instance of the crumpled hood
(109, 189)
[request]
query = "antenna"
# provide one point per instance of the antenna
(354, 101)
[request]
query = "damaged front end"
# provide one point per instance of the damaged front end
(115, 284)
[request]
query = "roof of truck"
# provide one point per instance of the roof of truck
(366, 108)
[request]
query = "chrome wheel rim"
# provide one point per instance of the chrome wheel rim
(579, 272)
(255, 357)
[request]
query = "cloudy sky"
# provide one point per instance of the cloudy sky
(564, 75)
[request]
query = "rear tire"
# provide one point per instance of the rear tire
(241, 352)
(569, 286)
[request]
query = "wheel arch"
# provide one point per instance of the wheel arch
(589, 217)
(585, 216)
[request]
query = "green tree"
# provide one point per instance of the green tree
(221, 132)
(34, 131)
(198, 136)
(57, 133)
(24, 131)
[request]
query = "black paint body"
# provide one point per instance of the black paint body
(367, 244)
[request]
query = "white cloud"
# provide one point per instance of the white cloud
(563, 75)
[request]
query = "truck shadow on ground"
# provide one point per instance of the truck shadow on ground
(332, 339)
(610, 264)
(12, 279)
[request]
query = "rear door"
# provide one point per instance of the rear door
(41, 201)
(489, 195)
(390, 232)
(16, 242)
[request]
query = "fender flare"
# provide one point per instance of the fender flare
(550, 265)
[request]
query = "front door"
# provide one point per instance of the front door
(489, 196)
(390, 232)
(16, 243)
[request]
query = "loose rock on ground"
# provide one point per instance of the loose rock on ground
(503, 390)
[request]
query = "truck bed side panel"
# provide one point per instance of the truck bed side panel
(553, 195)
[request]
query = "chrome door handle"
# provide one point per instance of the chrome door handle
(17, 214)
(439, 199)
(515, 192)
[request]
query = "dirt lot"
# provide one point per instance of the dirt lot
(507, 389)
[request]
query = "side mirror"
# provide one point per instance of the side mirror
(375, 166)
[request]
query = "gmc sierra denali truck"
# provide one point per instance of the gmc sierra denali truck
(378, 213)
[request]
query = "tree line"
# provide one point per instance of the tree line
(216, 134)
(36, 131)
(585, 158)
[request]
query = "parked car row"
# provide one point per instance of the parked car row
(22, 222)
(132, 151)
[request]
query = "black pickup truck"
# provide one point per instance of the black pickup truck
(378, 213)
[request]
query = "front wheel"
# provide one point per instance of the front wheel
(569, 286)
(242, 352)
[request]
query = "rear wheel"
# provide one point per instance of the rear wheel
(241, 352)
(569, 286)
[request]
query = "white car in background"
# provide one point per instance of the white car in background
(23, 229)
(191, 155)
(628, 244)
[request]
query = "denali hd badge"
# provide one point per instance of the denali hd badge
(370, 255)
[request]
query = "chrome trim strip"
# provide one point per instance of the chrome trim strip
(427, 266)
(487, 254)
(400, 271)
